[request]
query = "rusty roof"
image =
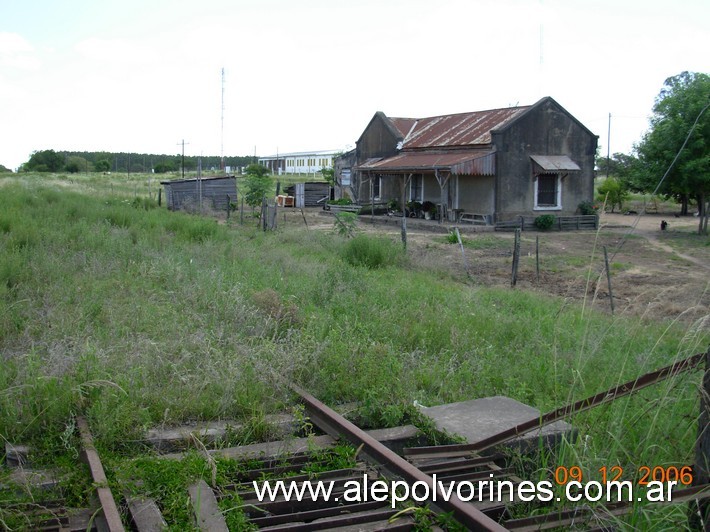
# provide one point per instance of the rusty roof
(469, 162)
(403, 125)
(464, 129)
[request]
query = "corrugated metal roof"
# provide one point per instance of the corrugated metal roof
(469, 162)
(188, 179)
(555, 163)
(403, 125)
(454, 130)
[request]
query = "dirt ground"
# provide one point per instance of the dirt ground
(662, 275)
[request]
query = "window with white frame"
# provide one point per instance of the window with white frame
(416, 187)
(548, 192)
(376, 187)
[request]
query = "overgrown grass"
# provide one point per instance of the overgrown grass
(135, 317)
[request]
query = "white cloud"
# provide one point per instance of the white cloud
(17, 52)
(118, 51)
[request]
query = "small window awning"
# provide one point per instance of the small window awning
(555, 163)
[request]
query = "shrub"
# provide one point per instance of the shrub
(345, 224)
(587, 207)
(614, 192)
(545, 221)
(369, 252)
(341, 201)
(451, 238)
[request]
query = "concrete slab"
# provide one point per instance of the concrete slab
(16, 455)
(478, 419)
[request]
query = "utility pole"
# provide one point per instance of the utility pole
(608, 147)
(183, 156)
(222, 137)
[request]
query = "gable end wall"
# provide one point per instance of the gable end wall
(546, 129)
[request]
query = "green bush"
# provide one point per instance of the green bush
(587, 208)
(613, 192)
(544, 222)
(370, 252)
(341, 201)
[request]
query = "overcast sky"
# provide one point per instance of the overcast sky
(141, 75)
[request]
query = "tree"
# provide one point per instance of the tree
(76, 164)
(676, 148)
(4, 169)
(44, 161)
(613, 191)
(257, 184)
(164, 166)
(102, 166)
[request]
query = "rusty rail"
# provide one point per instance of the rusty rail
(580, 515)
(555, 415)
(337, 426)
(108, 503)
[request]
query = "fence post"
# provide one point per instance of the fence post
(463, 253)
(537, 258)
(516, 259)
(160, 197)
(699, 510)
(608, 280)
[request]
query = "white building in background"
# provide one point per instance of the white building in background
(305, 162)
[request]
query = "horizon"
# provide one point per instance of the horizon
(139, 77)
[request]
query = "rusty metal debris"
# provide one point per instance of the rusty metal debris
(586, 515)
(560, 413)
(336, 425)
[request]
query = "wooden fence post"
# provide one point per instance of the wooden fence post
(699, 517)
(608, 280)
(537, 258)
(160, 197)
(516, 259)
(463, 253)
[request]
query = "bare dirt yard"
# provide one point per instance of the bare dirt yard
(662, 275)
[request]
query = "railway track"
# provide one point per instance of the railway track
(315, 458)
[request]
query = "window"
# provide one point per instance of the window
(376, 187)
(416, 185)
(548, 190)
(345, 177)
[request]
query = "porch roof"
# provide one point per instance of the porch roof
(467, 162)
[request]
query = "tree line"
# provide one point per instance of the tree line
(78, 162)
(673, 157)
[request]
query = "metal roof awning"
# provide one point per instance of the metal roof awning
(555, 163)
(469, 162)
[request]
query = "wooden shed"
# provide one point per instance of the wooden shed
(310, 194)
(185, 194)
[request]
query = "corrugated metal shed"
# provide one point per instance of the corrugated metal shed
(469, 162)
(185, 193)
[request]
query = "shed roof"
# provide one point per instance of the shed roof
(188, 179)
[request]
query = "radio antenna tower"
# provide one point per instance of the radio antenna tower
(222, 137)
